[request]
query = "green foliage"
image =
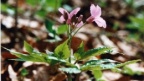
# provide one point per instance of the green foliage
(136, 23)
(7, 8)
(4, 7)
(61, 29)
(54, 32)
(61, 55)
(99, 64)
(54, 3)
(129, 71)
(62, 51)
(130, 3)
(33, 3)
(70, 70)
(49, 26)
(104, 64)
(95, 52)
(28, 48)
(55, 60)
(80, 54)
(51, 31)
(97, 74)
(79, 51)
(24, 72)
(126, 63)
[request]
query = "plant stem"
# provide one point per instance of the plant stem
(69, 77)
(69, 41)
(78, 29)
(69, 44)
(16, 13)
(56, 2)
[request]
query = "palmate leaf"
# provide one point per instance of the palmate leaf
(70, 70)
(95, 52)
(62, 51)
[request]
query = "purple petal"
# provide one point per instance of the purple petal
(74, 12)
(62, 11)
(100, 22)
(62, 19)
(80, 24)
(90, 19)
(95, 10)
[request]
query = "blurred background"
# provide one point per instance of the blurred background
(29, 20)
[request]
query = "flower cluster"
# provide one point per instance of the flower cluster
(69, 18)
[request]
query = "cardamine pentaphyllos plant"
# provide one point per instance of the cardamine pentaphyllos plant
(62, 56)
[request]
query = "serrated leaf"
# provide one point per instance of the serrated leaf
(61, 29)
(62, 51)
(99, 64)
(28, 47)
(95, 52)
(126, 63)
(97, 74)
(70, 70)
(54, 60)
(79, 52)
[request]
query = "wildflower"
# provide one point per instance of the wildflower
(95, 16)
(69, 17)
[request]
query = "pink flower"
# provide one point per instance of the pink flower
(67, 16)
(95, 16)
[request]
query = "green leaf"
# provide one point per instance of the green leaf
(104, 64)
(28, 47)
(79, 52)
(97, 74)
(62, 51)
(98, 64)
(95, 52)
(52, 5)
(49, 26)
(126, 63)
(24, 72)
(34, 57)
(4, 7)
(54, 60)
(61, 29)
(32, 2)
(70, 70)
(128, 70)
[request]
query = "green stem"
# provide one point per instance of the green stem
(69, 44)
(69, 77)
(56, 2)
(78, 29)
